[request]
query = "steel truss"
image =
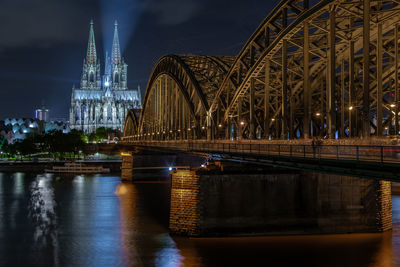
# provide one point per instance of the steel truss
(324, 68)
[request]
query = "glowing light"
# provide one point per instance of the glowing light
(386, 128)
(242, 123)
(272, 119)
(203, 127)
(106, 83)
(179, 130)
(202, 165)
(170, 168)
(317, 114)
(188, 129)
(125, 154)
(351, 107)
(392, 105)
(219, 125)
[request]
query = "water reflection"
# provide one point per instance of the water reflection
(127, 194)
(169, 255)
(42, 214)
(50, 220)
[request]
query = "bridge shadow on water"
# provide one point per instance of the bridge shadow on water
(99, 221)
(152, 207)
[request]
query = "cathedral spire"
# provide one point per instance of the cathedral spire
(116, 52)
(91, 55)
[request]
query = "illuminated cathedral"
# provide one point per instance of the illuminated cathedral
(102, 101)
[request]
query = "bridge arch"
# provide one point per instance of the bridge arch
(178, 94)
(131, 124)
(323, 68)
(326, 68)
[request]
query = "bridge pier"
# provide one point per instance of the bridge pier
(208, 203)
(126, 166)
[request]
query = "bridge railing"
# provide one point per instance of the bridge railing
(384, 154)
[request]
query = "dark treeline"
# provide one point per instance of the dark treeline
(54, 143)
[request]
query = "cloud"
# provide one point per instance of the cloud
(173, 12)
(40, 22)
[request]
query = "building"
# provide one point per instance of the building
(102, 101)
(42, 114)
(14, 129)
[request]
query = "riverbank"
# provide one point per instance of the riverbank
(36, 167)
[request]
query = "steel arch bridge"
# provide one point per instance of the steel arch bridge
(312, 68)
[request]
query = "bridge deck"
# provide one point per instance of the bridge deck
(371, 161)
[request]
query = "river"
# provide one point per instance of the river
(95, 220)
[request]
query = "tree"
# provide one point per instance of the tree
(26, 147)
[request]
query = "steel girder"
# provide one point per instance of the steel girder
(322, 69)
(178, 95)
(131, 124)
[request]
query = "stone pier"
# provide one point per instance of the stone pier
(126, 166)
(208, 203)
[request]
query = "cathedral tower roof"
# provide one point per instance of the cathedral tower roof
(115, 52)
(91, 56)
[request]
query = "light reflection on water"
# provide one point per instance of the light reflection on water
(42, 214)
(48, 220)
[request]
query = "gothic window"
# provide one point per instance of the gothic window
(116, 78)
(83, 113)
(77, 111)
(91, 77)
(109, 113)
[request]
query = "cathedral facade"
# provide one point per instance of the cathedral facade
(102, 100)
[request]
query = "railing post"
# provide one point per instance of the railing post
(337, 152)
(304, 150)
(381, 154)
(279, 149)
(290, 150)
(357, 153)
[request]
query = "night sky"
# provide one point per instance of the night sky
(43, 42)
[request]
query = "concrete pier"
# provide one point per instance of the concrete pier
(206, 203)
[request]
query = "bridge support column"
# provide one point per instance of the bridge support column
(206, 204)
(126, 167)
(366, 70)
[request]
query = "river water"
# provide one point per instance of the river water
(95, 220)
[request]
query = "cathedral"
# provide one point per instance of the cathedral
(102, 101)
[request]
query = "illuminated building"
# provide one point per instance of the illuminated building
(42, 114)
(102, 102)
